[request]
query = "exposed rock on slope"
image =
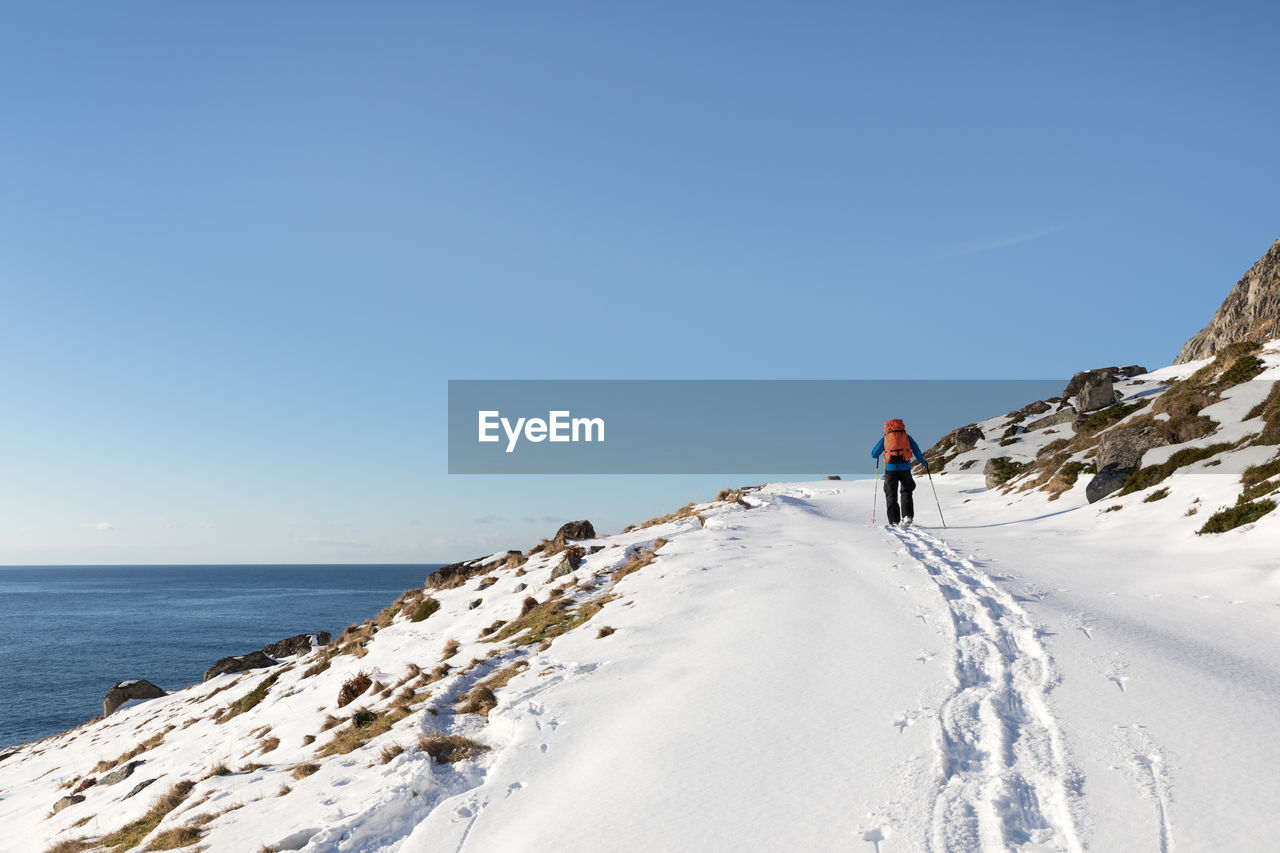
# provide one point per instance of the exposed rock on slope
(1250, 312)
(1219, 415)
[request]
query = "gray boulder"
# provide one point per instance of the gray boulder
(575, 530)
(567, 565)
(1109, 374)
(1107, 480)
(239, 663)
(999, 470)
(67, 801)
(1124, 448)
(298, 644)
(123, 691)
(121, 773)
(140, 786)
(1062, 416)
(1096, 394)
(967, 438)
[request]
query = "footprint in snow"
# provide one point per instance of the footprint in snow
(925, 657)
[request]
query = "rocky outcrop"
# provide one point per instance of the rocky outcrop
(1251, 311)
(239, 663)
(1062, 416)
(298, 644)
(1124, 448)
(575, 530)
(1039, 407)
(1107, 480)
(967, 438)
(124, 691)
(1097, 394)
(1099, 376)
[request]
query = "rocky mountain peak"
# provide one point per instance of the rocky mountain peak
(1251, 312)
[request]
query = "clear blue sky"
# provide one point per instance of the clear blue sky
(243, 246)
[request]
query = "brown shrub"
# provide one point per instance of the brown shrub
(448, 749)
(353, 687)
(219, 769)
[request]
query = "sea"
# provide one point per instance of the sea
(68, 633)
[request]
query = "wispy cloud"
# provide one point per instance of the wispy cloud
(491, 519)
(101, 525)
(1006, 241)
(337, 544)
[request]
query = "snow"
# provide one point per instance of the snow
(1037, 676)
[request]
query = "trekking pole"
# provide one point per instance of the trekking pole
(875, 489)
(935, 495)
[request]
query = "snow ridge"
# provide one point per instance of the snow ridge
(1005, 779)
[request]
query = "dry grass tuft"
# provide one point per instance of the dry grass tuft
(604, 632)
(390, 752)
(248, 701)
(73, 845)
(268, 745)
(219, 769)
(638, 560)
(481, 700)
(302, 771)
(686, 511)
(448, 749)
(355, 735)
(172, 839)
(493, 626)
(131, 834)
(424, 609)
(544, 622)
(150, 743)
(450, 649)
(353, 687)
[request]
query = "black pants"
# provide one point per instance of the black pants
(893, 481)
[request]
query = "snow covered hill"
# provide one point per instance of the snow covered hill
(770, 671)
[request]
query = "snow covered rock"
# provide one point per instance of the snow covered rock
(125, 691)
(239, 663)
(298, 644)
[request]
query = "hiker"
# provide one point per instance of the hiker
(898, 448)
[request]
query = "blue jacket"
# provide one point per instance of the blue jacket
(898, 466)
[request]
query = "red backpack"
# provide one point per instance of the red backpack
(897, 447)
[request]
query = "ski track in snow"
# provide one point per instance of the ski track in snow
(1005, 780)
